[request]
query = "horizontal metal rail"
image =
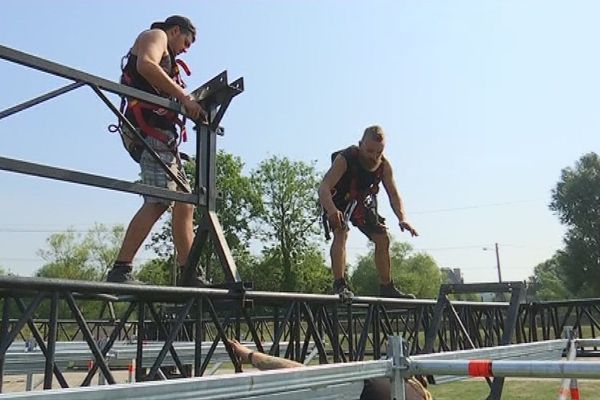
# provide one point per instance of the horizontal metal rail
(294, 383)
(45, 171)
(63, 71)
(18, 283)
(504, 368)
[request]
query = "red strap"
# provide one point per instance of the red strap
(183, 133)
(145, 127)
(185, 67)
(137, 107)
(480, 368)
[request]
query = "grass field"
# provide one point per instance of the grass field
(514, 389)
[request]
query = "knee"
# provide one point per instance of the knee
(184, 209)
(381, 239)
(339, 237)
(156, 209)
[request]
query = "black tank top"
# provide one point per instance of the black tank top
(132, 77)
(356, 181)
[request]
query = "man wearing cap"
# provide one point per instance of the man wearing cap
(151, 66)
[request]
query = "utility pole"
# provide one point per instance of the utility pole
(498, 264)
(497, 261)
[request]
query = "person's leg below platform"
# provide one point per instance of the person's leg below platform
(382, 256)
(137, 231)
(384, 267)
(183, 230)
(183, 237)
(338, 260)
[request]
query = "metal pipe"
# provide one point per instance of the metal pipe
(505, 368)
(40, 99)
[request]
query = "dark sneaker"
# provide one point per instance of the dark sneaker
(121, 275)
(390, 291)
(192, 278)
(339, 286)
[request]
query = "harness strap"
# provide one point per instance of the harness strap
(137, 106)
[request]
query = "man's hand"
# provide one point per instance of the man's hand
(192, 109)
(336, 220)
(406, 226)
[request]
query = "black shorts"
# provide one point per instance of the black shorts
(367, 220)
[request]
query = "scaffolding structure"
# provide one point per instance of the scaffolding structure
(295, 325)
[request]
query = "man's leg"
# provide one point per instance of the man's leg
(139, 228)
(183, 237)
(183, 230)
(382, 256)
(338, 259)
(338, 253)
(137, 231)
(384, 267)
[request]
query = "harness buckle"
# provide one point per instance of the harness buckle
(348, 213)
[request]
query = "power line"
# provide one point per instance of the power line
(508, 203)
(471, 246)
(42, 230)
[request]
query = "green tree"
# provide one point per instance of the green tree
(415, 273)
(290, 213)
(156, 272)
(547, 283)
(576, 200)
(265, 273)
(311, 274)
(70, 255)
(82, 257)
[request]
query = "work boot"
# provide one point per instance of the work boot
(121, 274)
(340, 286)
(191, 278)
(390, 291)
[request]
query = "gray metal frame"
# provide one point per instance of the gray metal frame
(517, 291)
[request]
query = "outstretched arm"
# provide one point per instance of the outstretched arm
(395, 200)
(260, 360)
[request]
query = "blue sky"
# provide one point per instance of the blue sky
(484, 102)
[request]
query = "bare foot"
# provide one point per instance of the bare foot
(240, 350)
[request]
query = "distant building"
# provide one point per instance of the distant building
(453, 276)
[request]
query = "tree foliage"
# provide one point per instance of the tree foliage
(576, 200)
(547, 281)
(82, 257)
(156, 272)
(70, 255)
(310, 273)
(289, 214)
(415, 273)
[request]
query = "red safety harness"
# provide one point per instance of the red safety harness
(359, 202)
(139, 110)
(366, 198)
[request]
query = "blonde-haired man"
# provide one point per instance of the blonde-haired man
(348, 194)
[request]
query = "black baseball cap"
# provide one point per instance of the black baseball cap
(177, 20)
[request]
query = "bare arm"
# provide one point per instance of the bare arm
(150, 47)
(260, 360)
(264, 362)
(395, 200)
(331, 178)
